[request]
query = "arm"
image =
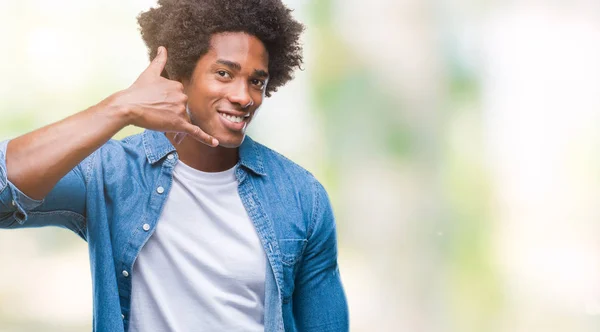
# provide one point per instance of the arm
(319, 301)
(43, 170)
(33, 164)
(63, 206)
(36, 161)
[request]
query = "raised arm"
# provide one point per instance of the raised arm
(36, 161)
(42, 173)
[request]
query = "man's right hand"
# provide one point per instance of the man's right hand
(156, 103)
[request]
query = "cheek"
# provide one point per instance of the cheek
(204, 95)
(258, 97)
(210, 88)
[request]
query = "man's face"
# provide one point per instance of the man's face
(227, 86)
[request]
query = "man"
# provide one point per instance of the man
(191, 226)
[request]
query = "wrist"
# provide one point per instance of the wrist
(118, 110)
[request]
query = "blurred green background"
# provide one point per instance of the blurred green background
(458, 141)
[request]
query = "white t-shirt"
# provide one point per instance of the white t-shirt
(204, 267)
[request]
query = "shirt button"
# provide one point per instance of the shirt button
(122, 316)
(170, 157)
(146, 227)
(160, 190)
(20, 216)
(13, 203)
(125, 274)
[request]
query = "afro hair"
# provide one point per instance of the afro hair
(185, 28)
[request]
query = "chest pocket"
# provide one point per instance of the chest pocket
(291, 252)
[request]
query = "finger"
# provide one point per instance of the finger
(200, 135)
(157, 65)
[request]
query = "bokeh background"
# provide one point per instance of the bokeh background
(458, 141)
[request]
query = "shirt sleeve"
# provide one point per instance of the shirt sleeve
(64, 206)
(319, 301)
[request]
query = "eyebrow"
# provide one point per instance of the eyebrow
(236, 66)
(261, 73)
(230, 64)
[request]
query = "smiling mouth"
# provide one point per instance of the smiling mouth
(234, 119)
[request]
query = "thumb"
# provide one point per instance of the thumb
(157, 65)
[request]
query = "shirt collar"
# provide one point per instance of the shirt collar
(157, 146)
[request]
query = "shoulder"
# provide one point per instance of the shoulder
(291, 185)
(284, 169)
(293, 179)
(136, 140)
(118, 152)
(133, 143)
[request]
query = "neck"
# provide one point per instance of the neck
(203, 157)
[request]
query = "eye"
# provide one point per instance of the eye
(223, 74)
(258, 83)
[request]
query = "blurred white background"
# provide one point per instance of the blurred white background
(458, 141)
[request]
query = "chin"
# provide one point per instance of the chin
(231, 142)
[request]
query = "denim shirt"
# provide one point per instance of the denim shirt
(111, 195)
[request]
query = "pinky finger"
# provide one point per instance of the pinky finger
(201, 136)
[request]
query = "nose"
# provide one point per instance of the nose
(240, 95)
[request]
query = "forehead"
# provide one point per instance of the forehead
(245, 49)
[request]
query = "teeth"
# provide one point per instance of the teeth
(235, 119)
